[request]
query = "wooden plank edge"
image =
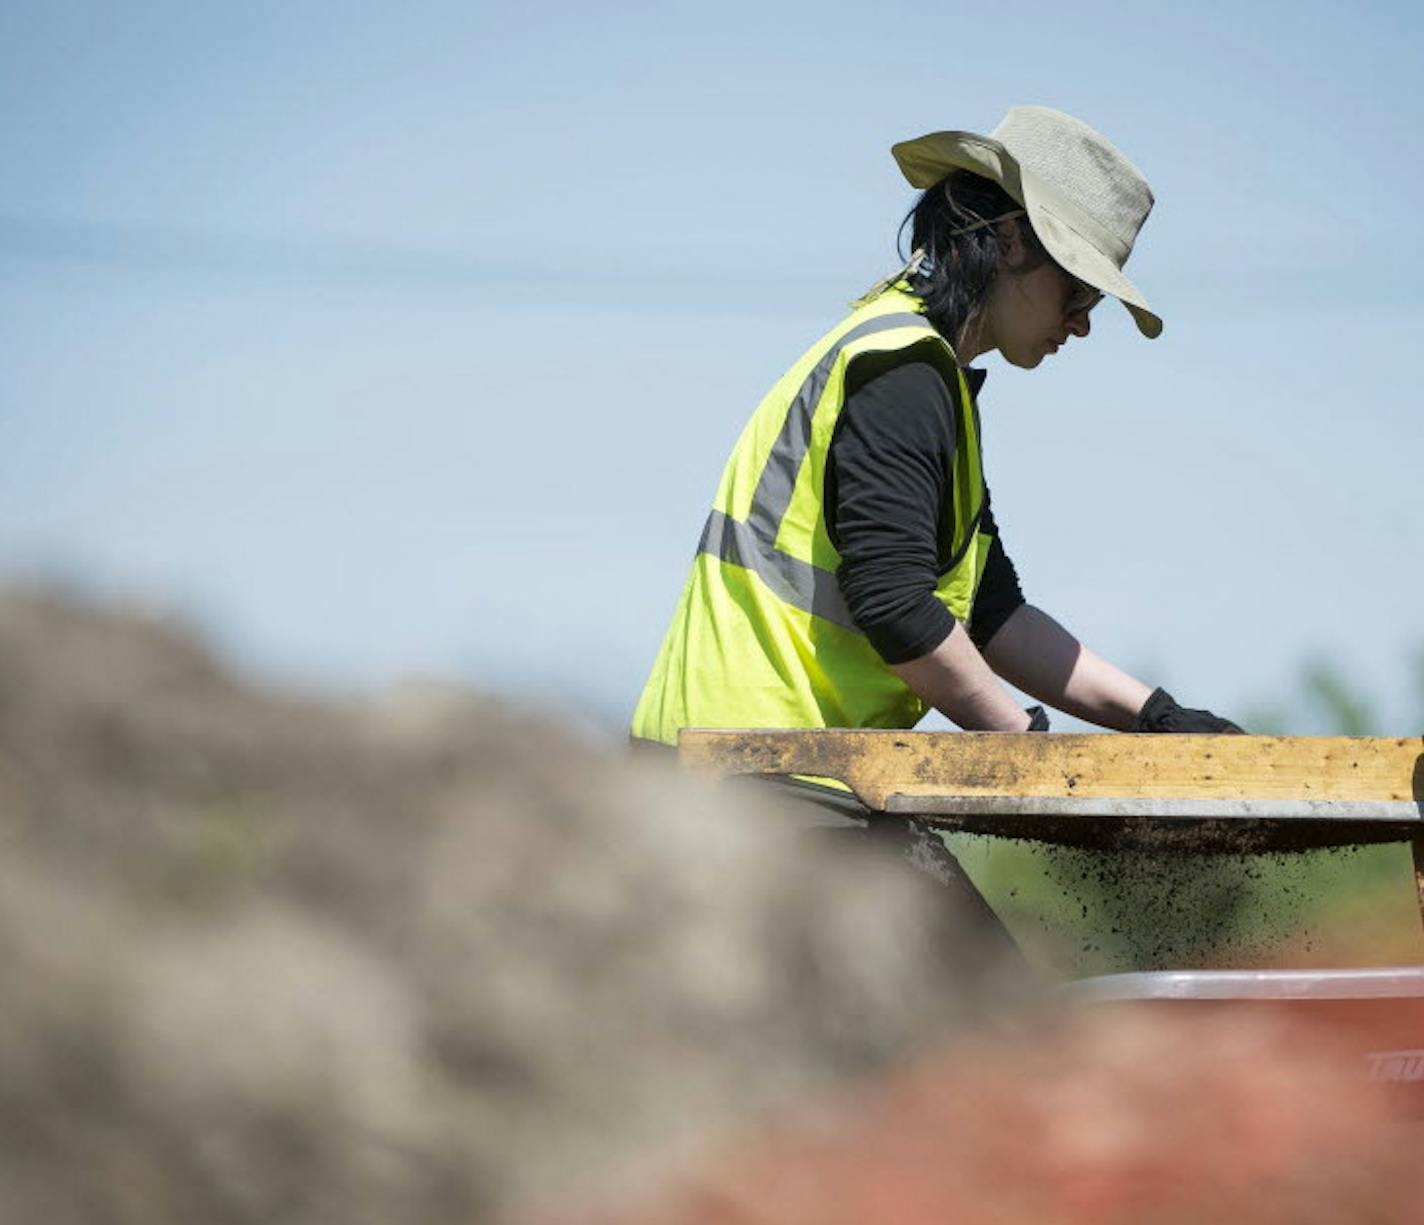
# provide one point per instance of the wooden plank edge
(1407, 812)
(877, 764)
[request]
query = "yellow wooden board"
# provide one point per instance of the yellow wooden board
(882, 765)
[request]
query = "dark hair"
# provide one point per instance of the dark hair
(954, 280)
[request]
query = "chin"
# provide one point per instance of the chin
(1025, 361)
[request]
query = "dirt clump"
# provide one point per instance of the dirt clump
(1130, 1116)
(266, 957)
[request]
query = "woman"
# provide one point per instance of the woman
(850, 573)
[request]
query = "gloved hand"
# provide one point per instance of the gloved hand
(1160, 713)
(1037, 719)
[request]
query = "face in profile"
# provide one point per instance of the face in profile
(1034, 304)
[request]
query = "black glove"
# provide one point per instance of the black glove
(1160, 713)
(1037, 719)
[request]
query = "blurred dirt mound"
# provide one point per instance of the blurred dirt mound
(415, 959)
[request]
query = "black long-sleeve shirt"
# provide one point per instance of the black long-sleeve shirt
(887, 478)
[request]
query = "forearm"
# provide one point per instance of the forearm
(957, 681)
(1036, 654)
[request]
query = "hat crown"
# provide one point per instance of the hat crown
(1083, 165)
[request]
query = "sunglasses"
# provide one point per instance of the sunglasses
(1082, 297)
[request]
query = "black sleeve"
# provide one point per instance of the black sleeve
(886, 473)
(1000, 595)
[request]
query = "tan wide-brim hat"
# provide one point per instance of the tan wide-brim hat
(1085, 200)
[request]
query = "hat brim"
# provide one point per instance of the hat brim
(1056, 221)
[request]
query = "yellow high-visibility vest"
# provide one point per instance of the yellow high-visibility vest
(761, 636)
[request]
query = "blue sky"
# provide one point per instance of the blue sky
(386, 340)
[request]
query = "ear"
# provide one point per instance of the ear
(1011, 243)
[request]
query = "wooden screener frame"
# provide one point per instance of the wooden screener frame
(1296, 791)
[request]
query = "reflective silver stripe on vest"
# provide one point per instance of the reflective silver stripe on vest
(751, 544)
(794, 581)
(778, 479)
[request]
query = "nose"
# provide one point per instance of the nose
(1079, 324)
